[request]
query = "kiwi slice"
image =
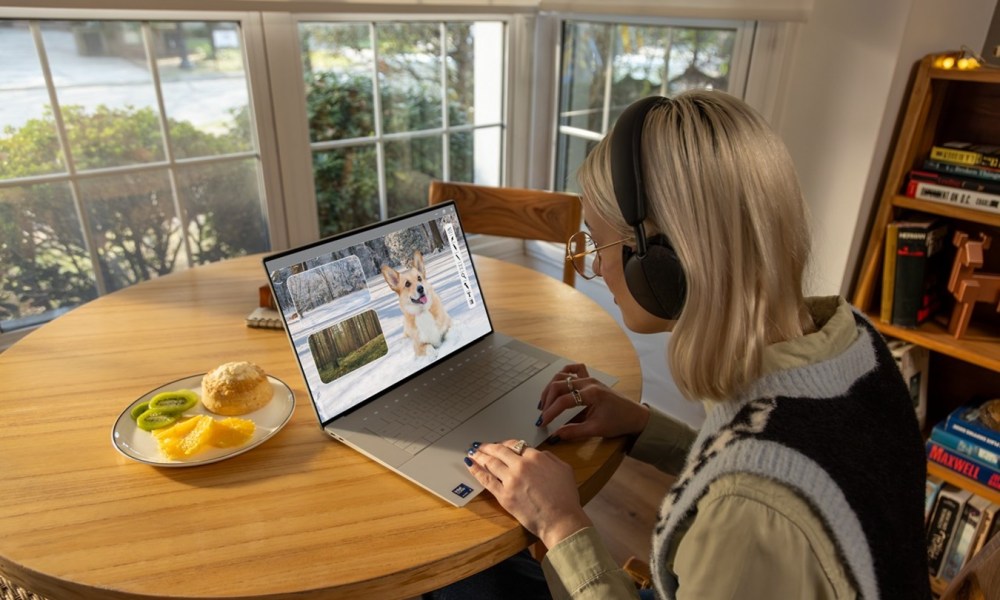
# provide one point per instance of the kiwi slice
(155, 419)
(139, 409)
(174, 402)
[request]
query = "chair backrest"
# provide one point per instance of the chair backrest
(980, 578)
(514, 212)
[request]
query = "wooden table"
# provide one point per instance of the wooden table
(299, 515)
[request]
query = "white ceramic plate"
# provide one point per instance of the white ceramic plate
(141, 446)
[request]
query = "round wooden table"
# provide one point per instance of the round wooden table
(301, 515)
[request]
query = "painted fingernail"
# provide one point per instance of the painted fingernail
(555, 439)
(468, 461)
(472, 451)
(538, 422)
(476, 444)
(539, 405)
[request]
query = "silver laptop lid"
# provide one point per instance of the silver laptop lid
(361, 315)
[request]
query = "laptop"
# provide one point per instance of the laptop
(398, 351)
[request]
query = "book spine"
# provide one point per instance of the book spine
(964, 446)
(940, 528)
(962, 540)
(978, 434)
(962, 170)
(962, 465)
(956, 181)
(888, 273)
(912, 250)
(955, 196)
(931, 489)
(986, 527)
(964, 157)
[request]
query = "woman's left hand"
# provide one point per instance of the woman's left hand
(536, 488)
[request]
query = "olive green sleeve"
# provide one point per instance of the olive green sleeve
(664, 443)
(581, 568)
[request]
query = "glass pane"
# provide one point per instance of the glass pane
(475, 72)
(409, 75)
(28, 141)
(586, 48)
(204, 87)
(569, 156)
(346, 188)
(105, 92)
(223, 210)
(476, 156)
(338, 63)
(410, 165)
(44, 265)
(134, 226)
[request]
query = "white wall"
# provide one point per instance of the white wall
(852, 60)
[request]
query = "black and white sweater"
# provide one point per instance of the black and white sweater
(842, 433)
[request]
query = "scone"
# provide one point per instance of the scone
(235, 388)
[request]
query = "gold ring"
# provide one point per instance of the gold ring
(577, 398)
(518, 447)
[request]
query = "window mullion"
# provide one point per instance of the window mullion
(74, 186)
(445, 136)
(383, 201)
(608, 81)
(168, 147)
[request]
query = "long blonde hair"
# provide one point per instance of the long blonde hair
(721, 185)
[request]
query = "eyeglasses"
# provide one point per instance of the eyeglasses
(578, 246)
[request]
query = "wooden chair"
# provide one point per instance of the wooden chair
(980, 578)
(514, 212)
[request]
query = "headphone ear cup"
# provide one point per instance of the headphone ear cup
(656, 280)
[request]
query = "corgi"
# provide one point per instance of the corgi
(425, 320)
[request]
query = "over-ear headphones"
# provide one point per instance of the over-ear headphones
(653, 272)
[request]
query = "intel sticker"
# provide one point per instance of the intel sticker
(462, 490)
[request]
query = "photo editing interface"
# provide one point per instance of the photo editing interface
(371, 308)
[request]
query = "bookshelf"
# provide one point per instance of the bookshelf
(942, 105)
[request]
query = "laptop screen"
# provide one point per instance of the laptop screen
(368, 309)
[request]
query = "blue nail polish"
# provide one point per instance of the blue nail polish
(468, 461)
(476, 444)
(539, 405)
(472, 451)
(554, 439)
(538, 422)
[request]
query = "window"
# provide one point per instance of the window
(606, 66)
(392, 105)
(126, 152)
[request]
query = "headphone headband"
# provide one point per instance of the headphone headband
(626, 167)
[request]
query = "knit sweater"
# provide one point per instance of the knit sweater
(860, 437)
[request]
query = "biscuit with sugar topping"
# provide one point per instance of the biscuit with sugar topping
(235, 388)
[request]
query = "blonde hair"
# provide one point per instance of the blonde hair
(722, 187)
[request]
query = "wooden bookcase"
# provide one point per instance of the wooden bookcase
(942, 105)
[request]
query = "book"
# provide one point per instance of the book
(987, 528)
(956, 181)
(944, 194)
(964, 446)
(888, 272)
(921, 271)
(913, 362)
(941, 526)
(984, 173)
(966, 529)
(976, 422)
(931, 490)
(963, 465)
(964, 153)
(264, 318)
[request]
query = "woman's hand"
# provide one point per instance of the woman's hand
(607, 414)
(536, 488)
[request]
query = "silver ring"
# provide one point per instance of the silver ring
(577, 398)
(569, 382)
(518, 447)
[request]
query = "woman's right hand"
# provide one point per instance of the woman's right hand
(608, 414)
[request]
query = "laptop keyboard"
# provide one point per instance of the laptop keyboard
(422, 414)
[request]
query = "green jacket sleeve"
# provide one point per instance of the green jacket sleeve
(664, 443)
(581, 568)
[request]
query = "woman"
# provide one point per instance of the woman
(806, 479)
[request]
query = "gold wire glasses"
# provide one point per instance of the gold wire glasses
(579, 246)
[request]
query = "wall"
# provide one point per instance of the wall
(851, 63)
